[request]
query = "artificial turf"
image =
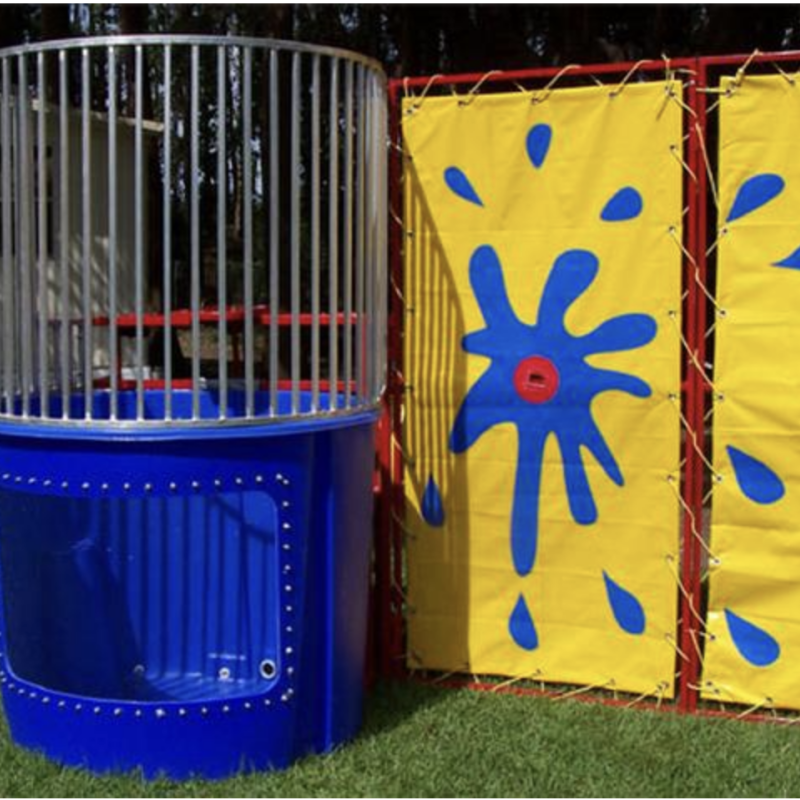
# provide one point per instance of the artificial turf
(421, 741)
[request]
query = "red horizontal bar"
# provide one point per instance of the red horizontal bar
(538, 72)
(186, 383)
(722, 61)
(182, 318)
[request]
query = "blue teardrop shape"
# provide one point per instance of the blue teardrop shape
(628, 611)
(521, 627)
(756, 480)
(791, 261)
(459, 184)
(754, 193)
(753, 643)
(538, 143)
(432, 506)
(627, 203)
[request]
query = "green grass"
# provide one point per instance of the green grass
(420, 741)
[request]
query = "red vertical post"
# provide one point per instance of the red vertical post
(389, 543)
(694, 397)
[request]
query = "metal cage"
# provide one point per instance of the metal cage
(192, 231)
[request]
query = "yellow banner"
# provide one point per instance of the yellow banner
(542, 290)
(753, 646)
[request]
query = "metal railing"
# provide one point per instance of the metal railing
(192, 229)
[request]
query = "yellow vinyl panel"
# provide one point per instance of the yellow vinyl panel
(542, 450)
(753, 646)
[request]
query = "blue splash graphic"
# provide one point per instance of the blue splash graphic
(495, 398)
(626, 204)
(756, 480)
(791, 261)
(753, 643)
(627, 610)
(538, 143)
(521, 627)
(459, 184)
(432, 507)
(754, 193)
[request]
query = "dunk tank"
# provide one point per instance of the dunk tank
(191, 315)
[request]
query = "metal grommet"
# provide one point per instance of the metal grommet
(268, 669)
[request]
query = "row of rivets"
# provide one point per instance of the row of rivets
(147, 487)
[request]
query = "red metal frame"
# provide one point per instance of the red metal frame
(695, 388)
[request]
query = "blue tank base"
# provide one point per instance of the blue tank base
(185, 605)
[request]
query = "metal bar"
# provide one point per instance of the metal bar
(361, 159)
(24, 244)
(167, 232)
(44, 311)
(693, 401)
(64, 230)
(371, 210)
(194, 301)
(86, 232)
(295, 234)
(315, 231)
(138, 221)
(113, 334)
(222, 267)
(348, 234)
(247, 124)
(333, 238)
(274, 230)
(382, 202)
(8, 264)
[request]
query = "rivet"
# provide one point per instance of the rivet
(31, 481)
(238, 481)
(138, 670)
(195, 484)
(84, 486)
(217, 482)
(104, 487)
(20, 691)
(288, 609)
(289, 629)
(138, 712)
(290, 670)
(279, 477)
(160, 713)
(268, 702)
(173, 487)
(181, 712)
(290, 692)
(97, 709)
(288, 651)
(18, 479)
(286, 504)
(6, 476)
(286, 526)
(148, 487)
(224, 674)
(78, 706)
(48, 482)
(65, 484)
(248, 706)
(126, 487)
(33, 695)
(287, 588)
(117, 712)
(10, 687)
(284, 698)
(287, 547)
(61, 704)
(204, 711)
(287, 569)
(259, 479)
(225, 709)
(45, 700)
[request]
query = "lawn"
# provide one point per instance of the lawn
(421, 741)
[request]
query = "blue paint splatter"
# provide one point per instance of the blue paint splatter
(628, 611)
(753, 643)
(432, 506)
(495, 399)
(756, 480)
(791, 261)
(521, 627)
(538, 143)
(626, 204)
(459, 184)
(754, 193)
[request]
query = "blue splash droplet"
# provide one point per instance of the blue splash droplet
(791, 261)
(432, 506)
(756, 480)
(626, 204)
(754, 193)
(521, 627)
(459, 184)
(628, 611)
(538, 143)
(753, 643)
